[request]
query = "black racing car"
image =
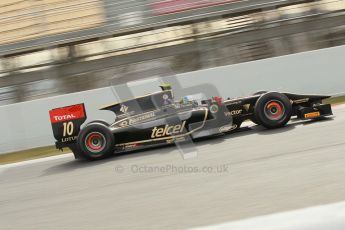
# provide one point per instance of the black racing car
(157, 119)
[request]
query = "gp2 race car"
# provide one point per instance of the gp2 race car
(158, 119)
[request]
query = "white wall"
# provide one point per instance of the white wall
(26, 125)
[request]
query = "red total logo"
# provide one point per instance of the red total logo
(67, 113)
(64, 117)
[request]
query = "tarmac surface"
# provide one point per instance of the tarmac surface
(250, 173)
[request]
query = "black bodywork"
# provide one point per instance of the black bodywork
(157, 119)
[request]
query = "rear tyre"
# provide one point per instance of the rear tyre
(96, 141)
(272, 110)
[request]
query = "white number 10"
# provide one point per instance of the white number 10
(68, 128)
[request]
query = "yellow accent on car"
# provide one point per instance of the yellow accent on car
(312, 115)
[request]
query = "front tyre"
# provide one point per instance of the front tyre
(273, 110)
(96, 141)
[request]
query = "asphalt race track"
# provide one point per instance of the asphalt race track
(250, 173)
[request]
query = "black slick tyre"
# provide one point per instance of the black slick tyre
(272, 110)
(96, 141)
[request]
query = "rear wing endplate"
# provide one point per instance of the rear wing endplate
(66, 122)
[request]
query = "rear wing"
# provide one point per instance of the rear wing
(66, 122)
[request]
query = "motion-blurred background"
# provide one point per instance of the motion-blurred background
(53, 47)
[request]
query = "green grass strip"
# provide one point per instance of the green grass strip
(30, 154)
